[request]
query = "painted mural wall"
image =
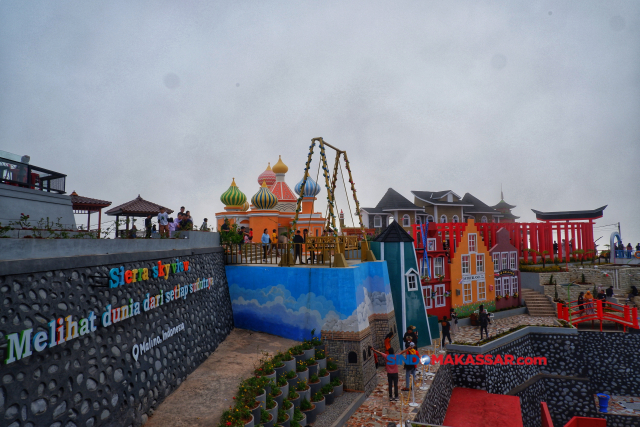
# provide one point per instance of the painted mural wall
(291, 302)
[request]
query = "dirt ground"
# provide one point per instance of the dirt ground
(209, 390)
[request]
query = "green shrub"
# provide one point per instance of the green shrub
(305, 405)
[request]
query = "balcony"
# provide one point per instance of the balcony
(16, 171)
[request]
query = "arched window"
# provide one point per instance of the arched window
(377, 221)
(364, 355)
(430, 218)
(353, 357)
(455, 219)
(443, 218)
(483, 219)
(406, 221)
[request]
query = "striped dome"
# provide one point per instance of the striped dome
(264, 198)
(311, 189)
(267, 176)
(233, 196)
(245, 207)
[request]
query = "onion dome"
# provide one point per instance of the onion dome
(267, 176)
(245, 207)
(311, 189)
(280, 167)
(264, 198)
(233, 196)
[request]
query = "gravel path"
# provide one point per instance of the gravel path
(333, 412)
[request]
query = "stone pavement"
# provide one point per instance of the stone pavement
(471, 334)
(209, 390)
(622, 405)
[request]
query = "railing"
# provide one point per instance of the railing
(27, 176)
(627, 254)
(600, 311)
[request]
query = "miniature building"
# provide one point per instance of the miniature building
(436, 280)
(441, 206)
(505, 209)
(392, 206)
(506, 271)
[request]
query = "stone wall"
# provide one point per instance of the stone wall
(108, 376)
(435, 404)
(361, 374)
(621, 278)
(530, 399)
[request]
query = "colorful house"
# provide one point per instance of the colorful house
(506, 271)
(436, 274)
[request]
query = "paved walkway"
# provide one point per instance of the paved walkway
(471, 334)
(209, 390)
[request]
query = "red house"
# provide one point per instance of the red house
(437, 290)
(506, 270)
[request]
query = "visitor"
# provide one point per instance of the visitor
(446, 328)
(588, 300)
(274, 243)
(454, 321)
(163, 222)
(629, 250)
(181, 211)
(610, 292)
(387, 341)
(178, 222)
(581, 302)
(392, 373)
(266, 240)
(297, 247)
(309, 247)
(638, 247)
(555, 247)
(634, 296)
(172, 227)
(242, 237)
(225, 225)
(133, 232)
(154, 230)
(251, 234)
(410, 369)
(205, 225)
(187, 221)
(483, 319)
(601, 295)
(147, 226)
(409, 337)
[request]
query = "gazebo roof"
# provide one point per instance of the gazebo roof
(137, 207)
(80, 202)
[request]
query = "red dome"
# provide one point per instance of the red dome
(267, 176)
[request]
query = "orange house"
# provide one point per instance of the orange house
(472, 279)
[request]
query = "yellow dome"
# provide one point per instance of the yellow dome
(280, 167)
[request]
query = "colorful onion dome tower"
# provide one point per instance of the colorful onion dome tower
(267, 176)
(280, 167)
(311, 188)
(287, 201)
(245, 207)
(233, 198)
(264, 199)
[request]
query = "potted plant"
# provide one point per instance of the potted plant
(498, 297)
(324, 377)
(266, 370)
(236, 417)
(300, 417)
(316, 341)
(303, 390)
(272, 407)
(313, 366)
(283, 385)
(292, 378)
(277, 394)
(321, 358)
(289, 361)
(288, 407)
(314, 384)
(327, 391)
(308, 349)
(297, 352)
(294, 398)
(250, 396)
(278, 365)
(318, 400)
(337, 388)
(283, 418)
(302, 371)
(332, 368)
(309, 410)
(266, 419)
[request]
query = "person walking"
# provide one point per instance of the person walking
(581, 302)
(392, 373)
(446, 328)
(297, 249)
(163, 223)
(265, 243)
(588, 300)
(274, 243)
(454, 321)
(483, 319)
(147, 226)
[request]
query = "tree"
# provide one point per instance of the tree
(581, 253)
(541, 254)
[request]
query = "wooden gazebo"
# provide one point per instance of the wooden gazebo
(137, 207)
(82, 205)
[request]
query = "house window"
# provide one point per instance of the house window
(440, 300)
(430, 218)
(418, 220)
(496, 262)
(428, 289)
(473, 240)
(466, 293)
(455, 218)
(483, 219)
(412, 282)
(353, 357)
(482, 291)
(465, 264)
(498, 286)
(406, 221)
(505, 261)
(479, 263)
(514, 285)
(377, 221)
(443, 218)
(514, 261)
(438, 266)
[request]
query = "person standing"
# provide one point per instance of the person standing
(446, 328)
(265, 243)
(454, 321)
(610, 292)
(588, 300)
(409, 337)
(274, 243)
(205, 225)
(410, 369)
(297, 247)
(163, 223)
(147, 227)
(225, 225)
(392, 373)
(555, 247)
(251, 234)
(483, 319)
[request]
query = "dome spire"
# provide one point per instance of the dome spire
(264, 199)
(233, 196)
(267, 176)
(280, 167)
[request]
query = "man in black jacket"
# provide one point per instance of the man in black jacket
(610, 292)
(147, 226)
(483, 319)
(297, 247)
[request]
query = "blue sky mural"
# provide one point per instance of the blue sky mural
(291, 302)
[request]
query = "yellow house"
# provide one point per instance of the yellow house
(472, 277)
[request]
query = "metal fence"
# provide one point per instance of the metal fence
(27, 176)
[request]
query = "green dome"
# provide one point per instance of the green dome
(233, 196)
(264, 198)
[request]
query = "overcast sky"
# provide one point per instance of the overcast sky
(170, 100)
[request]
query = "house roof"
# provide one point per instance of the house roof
(560, 216)
(81, 202)
(478, 206)
(394, 233)
(503, 205)
(433, 197)
(136, 207)
(394, 201)
(283, 193)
